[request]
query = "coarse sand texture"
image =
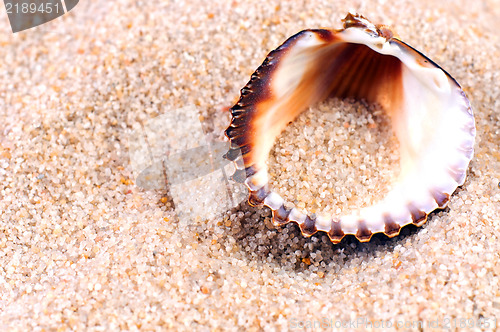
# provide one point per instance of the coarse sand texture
(100, 106)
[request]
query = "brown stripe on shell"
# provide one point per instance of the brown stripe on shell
(239, 121)
(440, 197)
(245, 149)
(240, 140)
(257, 197)
(280, 216)
(250, 171)
(368, 75)
(256, 89)
(363, 234)
(391, 228)
(324, 35)
(235, 131)
(418, 216)
(308, 227)
(336, 234)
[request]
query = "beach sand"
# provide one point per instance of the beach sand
(83, 247)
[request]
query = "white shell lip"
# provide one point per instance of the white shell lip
(430, 112)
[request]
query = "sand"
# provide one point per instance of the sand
(84, 247)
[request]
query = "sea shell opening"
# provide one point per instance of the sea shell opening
(430, 115)
(338, 156)
(350, 70)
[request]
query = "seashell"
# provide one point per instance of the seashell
(430, 114)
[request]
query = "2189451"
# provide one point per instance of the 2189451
(32, 8)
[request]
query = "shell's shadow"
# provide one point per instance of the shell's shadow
(286, 246)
